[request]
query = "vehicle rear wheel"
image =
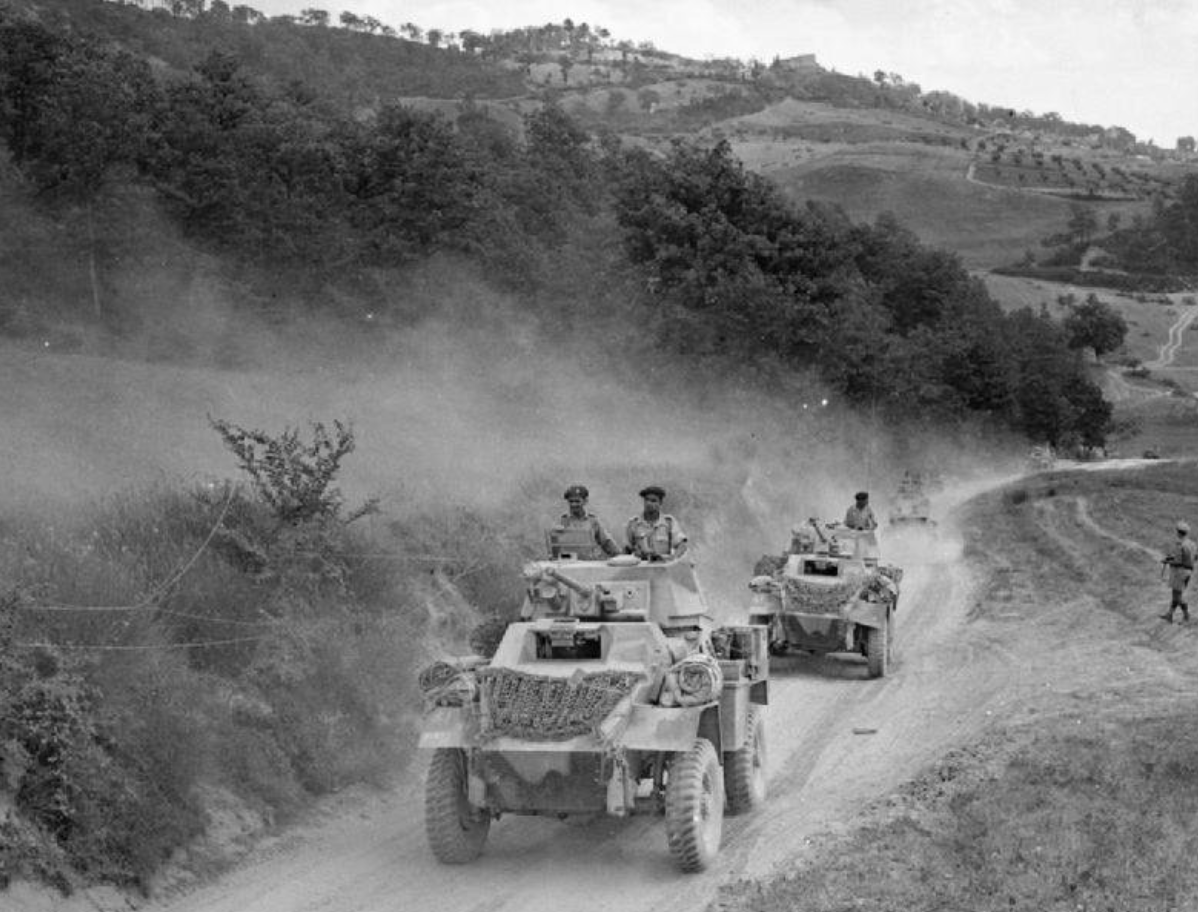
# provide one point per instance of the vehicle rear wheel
(456, 830)
(744, 769)
(695, 806)
(877, 650)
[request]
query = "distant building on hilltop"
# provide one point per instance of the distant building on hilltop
(801, 63)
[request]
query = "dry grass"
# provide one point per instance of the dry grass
(1085, 805)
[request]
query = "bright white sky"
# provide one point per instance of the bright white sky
(1128, 63)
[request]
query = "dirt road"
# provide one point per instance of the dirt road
(1176, 340)
(836, 741)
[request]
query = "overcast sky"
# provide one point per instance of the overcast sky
(1130, 63)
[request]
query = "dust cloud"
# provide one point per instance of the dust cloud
(455, 397)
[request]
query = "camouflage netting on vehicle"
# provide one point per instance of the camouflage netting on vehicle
(542, 708)
(769, 564)
(819, 598)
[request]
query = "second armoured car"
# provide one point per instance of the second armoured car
(828, 593)
(614, 692)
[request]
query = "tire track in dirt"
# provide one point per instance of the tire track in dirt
(1086, 520)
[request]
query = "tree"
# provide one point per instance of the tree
(1095, 324)
(313, 16)
(412, 190)
(74, 112)
(1185, 144)
(1083, 223)
(293, 478)
(246, 15)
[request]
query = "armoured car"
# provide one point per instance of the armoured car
(614, 692)
(828, 593)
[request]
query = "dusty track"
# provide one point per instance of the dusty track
(947, 683)
(1176, 340)
(837, 743)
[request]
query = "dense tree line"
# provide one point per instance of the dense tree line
(889, 321)
(1165, 242)
(275, 175)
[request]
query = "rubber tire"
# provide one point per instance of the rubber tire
(695, 807)
(877, 650)
(744, 769)
(456, 830)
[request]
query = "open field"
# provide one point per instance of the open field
(986, 226)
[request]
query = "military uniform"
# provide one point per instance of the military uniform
(860, 517)
(1180, 560)
(603, 542)
(661, 537)
(1181, 563)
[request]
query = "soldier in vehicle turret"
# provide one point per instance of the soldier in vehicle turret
(861, 515)
(578, 518)
(654, 535)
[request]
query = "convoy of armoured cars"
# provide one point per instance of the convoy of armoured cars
(616, 692)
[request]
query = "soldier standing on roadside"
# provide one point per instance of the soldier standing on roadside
(1180, 561)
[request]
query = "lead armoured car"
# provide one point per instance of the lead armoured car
(614, 692)
(829, 593)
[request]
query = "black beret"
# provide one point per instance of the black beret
(863, 495)
(654, 489)
(577, 491)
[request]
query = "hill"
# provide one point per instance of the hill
(492, 292)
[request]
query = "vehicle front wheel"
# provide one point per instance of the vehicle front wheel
(877, 650)
(695, 806)
(744, 769)
(456, 830)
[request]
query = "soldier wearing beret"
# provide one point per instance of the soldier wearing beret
(577, 517)
(654, 535)
(1180, 561)
(861, 515)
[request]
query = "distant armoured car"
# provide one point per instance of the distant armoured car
(911, 505)
(1041, 458)
(614, 693)
(828, 593)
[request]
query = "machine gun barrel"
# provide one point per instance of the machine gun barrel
(818, 531)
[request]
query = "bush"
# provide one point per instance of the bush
(201, 639)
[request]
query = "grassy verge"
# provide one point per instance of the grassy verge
(147, 648)
(1080, 818)
(1081, 809)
